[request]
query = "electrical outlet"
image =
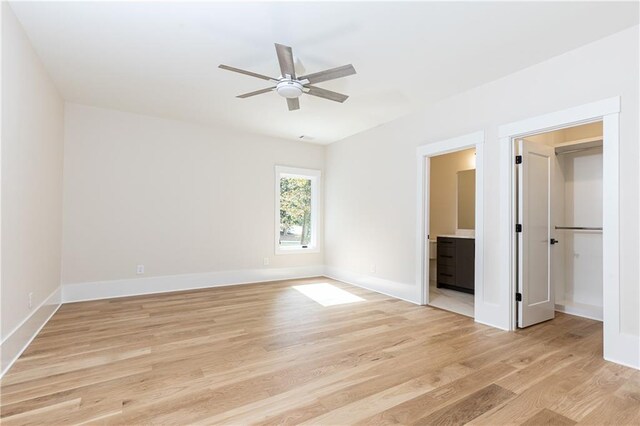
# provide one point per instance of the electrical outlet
(30, 300)
(140, 270)
(372, 268)
(265, 262)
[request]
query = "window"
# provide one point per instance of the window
(297, 210)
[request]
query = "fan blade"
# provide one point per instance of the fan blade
(293, 103)
(252, 74)
(285, 58)
(326, 94)
(257, 92)
(330, 74)
(299, 66)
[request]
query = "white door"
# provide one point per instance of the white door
(535, 286)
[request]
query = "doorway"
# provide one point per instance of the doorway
(558, 207)
(451, 199)
(619, 347)
(455, 260)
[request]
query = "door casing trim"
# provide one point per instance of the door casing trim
(617, 346)
(423, 153)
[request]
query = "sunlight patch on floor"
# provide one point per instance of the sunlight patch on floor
(327, 294)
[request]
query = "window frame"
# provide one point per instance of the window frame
(314, 176)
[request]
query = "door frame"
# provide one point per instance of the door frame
(616, 344)
(424, 153)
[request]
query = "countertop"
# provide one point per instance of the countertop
(458, 236)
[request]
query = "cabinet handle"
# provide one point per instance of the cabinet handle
(446, 275)
(449, 257)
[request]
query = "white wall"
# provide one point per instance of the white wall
(32, 146)
(583, 207)
(176, 197)
(371, 177)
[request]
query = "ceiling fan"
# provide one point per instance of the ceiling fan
(291, 87)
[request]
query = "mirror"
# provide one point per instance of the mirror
(467, 199)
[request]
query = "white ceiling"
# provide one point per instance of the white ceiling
(161, 58)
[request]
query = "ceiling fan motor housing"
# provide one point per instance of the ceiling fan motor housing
(289, 89)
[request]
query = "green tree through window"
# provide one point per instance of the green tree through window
(295, 211)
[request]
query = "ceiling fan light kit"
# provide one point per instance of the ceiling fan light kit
(290, 87)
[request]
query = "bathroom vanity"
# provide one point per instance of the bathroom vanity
(456, 263)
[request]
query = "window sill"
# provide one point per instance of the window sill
(297, 250)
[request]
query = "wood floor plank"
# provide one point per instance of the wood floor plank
(267, 354)
(469, 408)
(541, 395)
(614, 411)
(417, 408)
(584, 398)
(548, 417)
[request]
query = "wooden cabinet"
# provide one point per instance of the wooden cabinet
(456, 264)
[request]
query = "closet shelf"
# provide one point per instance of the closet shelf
(579, 145)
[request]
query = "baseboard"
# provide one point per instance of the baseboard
(389, 288)
(17, 340)
(583, 311)
(95, 290)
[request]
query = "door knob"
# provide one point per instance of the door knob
(554, 241)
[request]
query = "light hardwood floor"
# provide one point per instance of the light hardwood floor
(265, 353)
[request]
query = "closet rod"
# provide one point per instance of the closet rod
(580, 228)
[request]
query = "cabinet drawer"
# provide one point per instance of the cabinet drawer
(446, 255)
(446, 274)
(445, 279)
(444, 241)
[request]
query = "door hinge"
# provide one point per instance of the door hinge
(518, 159)
(518, 227)
(518, 297)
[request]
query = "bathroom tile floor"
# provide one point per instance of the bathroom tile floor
(451, 300)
